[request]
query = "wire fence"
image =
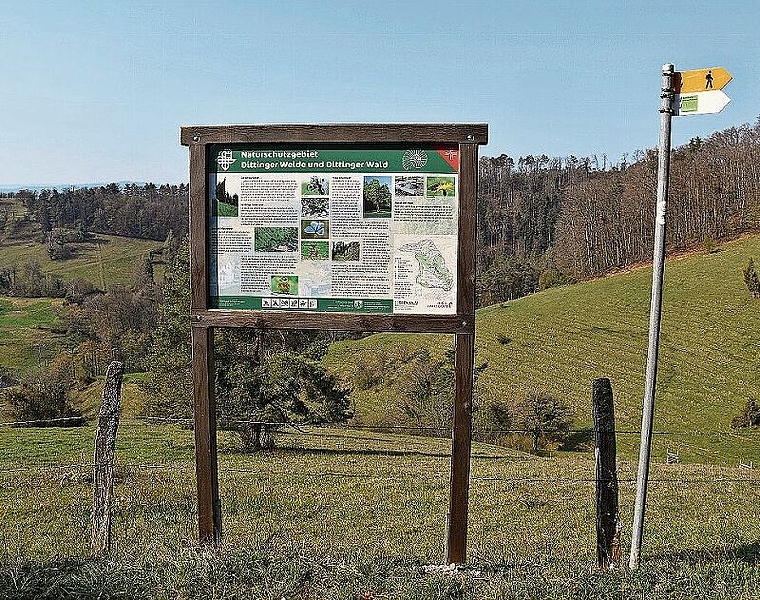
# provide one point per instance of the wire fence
(747, 467)
(367, 427)
(87, 469)
(315, 427)
(393, 480)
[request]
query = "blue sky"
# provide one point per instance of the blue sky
(97, 91)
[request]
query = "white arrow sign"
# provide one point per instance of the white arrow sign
(700, 103)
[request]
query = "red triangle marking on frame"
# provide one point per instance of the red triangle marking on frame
(450, 154)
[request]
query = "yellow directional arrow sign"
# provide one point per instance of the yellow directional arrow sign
(700, 80)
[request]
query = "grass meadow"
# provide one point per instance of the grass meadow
(105, 260)
(30, 332)
(341, 513)
(337, 513)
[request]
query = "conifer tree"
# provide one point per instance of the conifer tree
(261, 376)
(751, 278)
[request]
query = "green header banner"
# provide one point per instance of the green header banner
(314, 159)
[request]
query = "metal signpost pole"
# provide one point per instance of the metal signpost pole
(666, 111)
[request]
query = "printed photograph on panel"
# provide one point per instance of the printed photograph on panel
(316, 185)
(276, 239)
(315, 206)
(378, 200)
(440, 186)
(410, 186)
(284, 284)
(346, 251)
(225, 199)
(315, 229)
(315, 250)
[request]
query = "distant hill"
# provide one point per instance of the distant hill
(560, 339)
(104, 260)
(8, 188)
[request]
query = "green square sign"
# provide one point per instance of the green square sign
(689, 104)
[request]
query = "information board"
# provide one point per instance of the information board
(325, 228)
(342, 227)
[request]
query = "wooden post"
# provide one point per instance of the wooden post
(105, 449)
(608, 524)
(456, 539)
(464, 361)
(206, 465)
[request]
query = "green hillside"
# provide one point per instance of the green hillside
(105, 259)
(31, 329)
(561, 339)
(30, 332)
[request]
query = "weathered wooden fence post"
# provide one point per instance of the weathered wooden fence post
(608, 524)
(105, 447)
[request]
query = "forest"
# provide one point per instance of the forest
(142, 211)
(541, 222)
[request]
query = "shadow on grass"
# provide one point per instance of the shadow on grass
(745, 553)
(291, 451)
(579, 441)
(283, 447)
(285, 451)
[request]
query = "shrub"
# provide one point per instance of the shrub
(493, 422)
(30, 404)
(426, 399)
(7, 377)
(544, 417)
(710, 245)
(553, 277)
(79, 289)
(506, 278)
(28, 280)
(748, 416)
(44, 395)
